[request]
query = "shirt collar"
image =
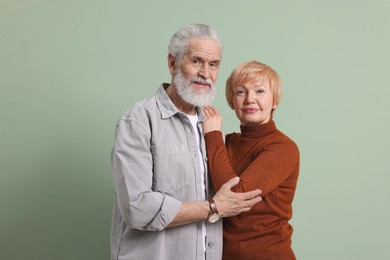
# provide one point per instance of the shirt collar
(166, 106)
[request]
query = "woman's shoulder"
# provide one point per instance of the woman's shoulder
(232, 136)
(285, 141)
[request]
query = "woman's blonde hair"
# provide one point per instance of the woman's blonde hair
(250, 71)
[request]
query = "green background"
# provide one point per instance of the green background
(68, 69)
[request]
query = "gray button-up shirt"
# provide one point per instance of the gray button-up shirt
(155, 164)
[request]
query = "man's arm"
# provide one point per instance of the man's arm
(132, 164)
(228, 203)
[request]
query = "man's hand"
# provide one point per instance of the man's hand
(230, 203)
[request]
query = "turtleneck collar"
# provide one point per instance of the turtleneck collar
(258, 130)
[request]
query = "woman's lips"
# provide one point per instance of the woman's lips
(249, 110)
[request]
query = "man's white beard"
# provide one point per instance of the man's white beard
(185, 91)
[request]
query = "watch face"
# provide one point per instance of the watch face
(214, 218)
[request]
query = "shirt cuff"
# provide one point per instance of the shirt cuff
(169, 209)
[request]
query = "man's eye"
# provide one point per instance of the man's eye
(213, 65)
(196, 62)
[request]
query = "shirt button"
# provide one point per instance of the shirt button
(211, 244)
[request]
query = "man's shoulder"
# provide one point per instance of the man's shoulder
(140, 108)
(150, 105)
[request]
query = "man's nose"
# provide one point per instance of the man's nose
(204, 71)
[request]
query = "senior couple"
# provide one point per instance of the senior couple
(185, 191)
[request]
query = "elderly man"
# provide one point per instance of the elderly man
(164, 207)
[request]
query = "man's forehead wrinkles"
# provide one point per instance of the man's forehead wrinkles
(206, 55)
(205, 58)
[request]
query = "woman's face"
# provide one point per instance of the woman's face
(253, 102)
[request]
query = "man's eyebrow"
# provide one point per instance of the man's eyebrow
(202, 59)
(197, 58)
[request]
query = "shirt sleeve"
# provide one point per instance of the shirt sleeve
(132, 168)
(269, 168)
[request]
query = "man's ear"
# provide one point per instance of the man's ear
(171, 64)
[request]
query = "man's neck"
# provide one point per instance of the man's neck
(180, 104)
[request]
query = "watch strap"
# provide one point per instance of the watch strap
(213, 206)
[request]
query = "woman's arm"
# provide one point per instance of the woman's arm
(272, 166)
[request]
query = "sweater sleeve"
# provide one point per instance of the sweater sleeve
(218, 160)
(270, 168)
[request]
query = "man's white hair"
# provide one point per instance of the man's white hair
(179, 41)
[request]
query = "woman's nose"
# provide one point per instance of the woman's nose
(250, 97)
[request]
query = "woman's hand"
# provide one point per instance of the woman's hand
(213, 121)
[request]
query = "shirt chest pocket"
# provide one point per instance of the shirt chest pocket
(172, 168)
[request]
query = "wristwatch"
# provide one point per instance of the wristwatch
(214, 216)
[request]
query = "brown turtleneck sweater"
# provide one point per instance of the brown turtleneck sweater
(265, 159)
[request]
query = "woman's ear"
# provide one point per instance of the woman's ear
(171, 64)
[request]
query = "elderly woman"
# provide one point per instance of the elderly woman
(263, 158)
